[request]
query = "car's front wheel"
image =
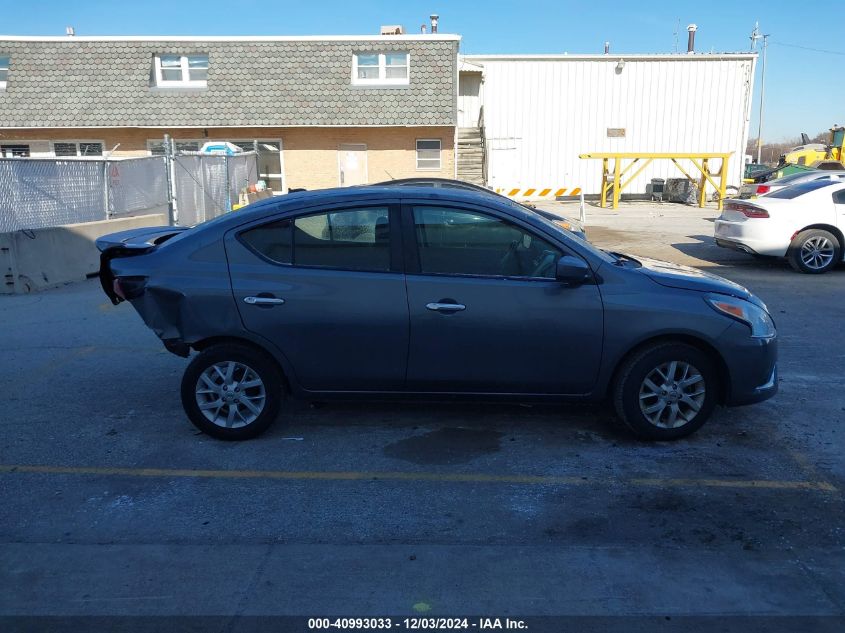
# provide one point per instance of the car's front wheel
(232, 391)
(666, 391)
(814, 251)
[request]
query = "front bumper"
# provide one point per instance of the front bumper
(751, 365)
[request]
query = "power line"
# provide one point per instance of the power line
(809, 48)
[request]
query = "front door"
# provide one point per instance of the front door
(352, 163)
(327, 289)
(487, 314)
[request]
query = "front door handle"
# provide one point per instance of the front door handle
(263, 301)
(446, 307)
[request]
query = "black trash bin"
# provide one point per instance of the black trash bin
(657, 187)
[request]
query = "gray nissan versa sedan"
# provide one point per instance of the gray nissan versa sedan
(430, 292)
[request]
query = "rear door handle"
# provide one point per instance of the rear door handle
(263, 301)
(446, 307)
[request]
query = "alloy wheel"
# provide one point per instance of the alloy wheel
(230, 394)
(672, 394)
(817, 252)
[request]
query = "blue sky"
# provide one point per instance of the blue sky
(803, 91)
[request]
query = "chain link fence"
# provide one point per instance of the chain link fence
(208, 185)
(38, 193)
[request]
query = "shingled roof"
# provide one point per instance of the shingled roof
(97, 82)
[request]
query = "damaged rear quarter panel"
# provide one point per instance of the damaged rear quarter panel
(188, 296)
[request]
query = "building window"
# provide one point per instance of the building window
(376, 69)
(4, 71)
(428, 154)
(80, 148)
(181, 71)
(157, 147)
(14, 151)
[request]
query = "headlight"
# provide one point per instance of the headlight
(756, 318)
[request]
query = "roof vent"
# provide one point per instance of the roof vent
(392, 29)
(69, 31)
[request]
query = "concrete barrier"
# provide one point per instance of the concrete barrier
(35, 259)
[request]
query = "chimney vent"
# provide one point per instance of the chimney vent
(691, 29)
(606, 48)
(69, 31)
(434, 19)
(423, 28)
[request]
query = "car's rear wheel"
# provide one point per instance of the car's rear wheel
(666, 391)
(814, 251)
(232, 391)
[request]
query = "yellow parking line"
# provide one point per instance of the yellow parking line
(417, 476)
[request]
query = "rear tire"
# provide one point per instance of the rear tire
(814, 251)
(232, 391)
(666, 391)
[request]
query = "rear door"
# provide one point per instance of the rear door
(326, 287)
(839, 204)
(487, 314)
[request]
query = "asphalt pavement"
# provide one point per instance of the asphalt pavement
(113, 504)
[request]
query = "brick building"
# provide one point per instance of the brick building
(327, 111)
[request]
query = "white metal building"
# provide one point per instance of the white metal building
(541, 111)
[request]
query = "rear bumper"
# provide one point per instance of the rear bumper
(746, 237)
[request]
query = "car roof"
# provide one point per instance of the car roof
(292, 201)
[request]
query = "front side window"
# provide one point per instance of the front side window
(4, 71)
(181, 70)
(357, 239)
(391, 68)
(839, 197)
(428, 154)
(453, 242)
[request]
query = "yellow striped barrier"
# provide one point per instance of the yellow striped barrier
(537, 193)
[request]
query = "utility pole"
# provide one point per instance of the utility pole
(755, 35)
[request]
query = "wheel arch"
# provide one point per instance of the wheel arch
(830, 228)
(280, 361)
(724, 384)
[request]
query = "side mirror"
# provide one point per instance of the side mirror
(572, 270)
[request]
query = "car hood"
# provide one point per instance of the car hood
(688, 278)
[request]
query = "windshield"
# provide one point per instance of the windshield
(799, 190)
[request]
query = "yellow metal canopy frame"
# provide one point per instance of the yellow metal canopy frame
(614, 181)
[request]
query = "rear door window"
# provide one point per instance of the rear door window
(355, 239)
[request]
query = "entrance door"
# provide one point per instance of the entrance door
(352, 164)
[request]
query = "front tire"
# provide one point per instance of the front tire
(814, 252)
(666, 391)
(232, 391)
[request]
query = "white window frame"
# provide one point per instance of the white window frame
(382, 79)
(78, 142)
(185, 82)
(6, 68)
(439, 154)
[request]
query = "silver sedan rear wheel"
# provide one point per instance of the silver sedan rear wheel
(230, 394)
(817, 252)
(672, 394)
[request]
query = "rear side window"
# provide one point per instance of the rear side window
(357, 239)
(799, 190)
(454, 242)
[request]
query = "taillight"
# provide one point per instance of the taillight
(748, 210)
(129, 287)
(761, 189)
